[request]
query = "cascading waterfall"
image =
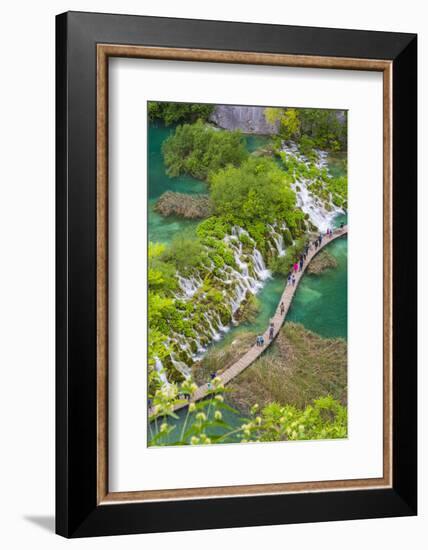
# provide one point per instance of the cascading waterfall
(189, 285)
(259, 266)
(180, 365)
(247, 277)
(307, 201)
(278, 239)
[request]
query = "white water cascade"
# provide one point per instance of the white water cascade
(180, 365)
(320, 216)
(278, 239)
(237, 283)
(189, 285)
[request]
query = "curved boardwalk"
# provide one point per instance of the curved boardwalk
(278, 319)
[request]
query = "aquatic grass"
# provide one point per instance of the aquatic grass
(300, 367)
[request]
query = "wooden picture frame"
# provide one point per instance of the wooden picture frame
(85, 42)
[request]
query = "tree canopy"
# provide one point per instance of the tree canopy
(257, 190)
(323, 128)
(198, 150)
(172, 113)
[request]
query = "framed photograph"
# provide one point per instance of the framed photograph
(236, 274)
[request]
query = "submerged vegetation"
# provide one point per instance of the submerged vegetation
(322, 261)
(184, 205)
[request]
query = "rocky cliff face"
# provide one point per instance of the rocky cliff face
(250, 120)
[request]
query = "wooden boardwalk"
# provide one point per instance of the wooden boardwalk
(278, 319)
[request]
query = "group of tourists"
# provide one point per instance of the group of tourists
(291, 277)
(260, 341)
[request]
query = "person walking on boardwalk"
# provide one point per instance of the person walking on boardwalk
(316, 244)
(271, 331)
(293, 280)
(262, 340)
(301, 264)
(282, 308)
(289, 278)
(296, 267)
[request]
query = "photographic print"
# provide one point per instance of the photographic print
(247, 274)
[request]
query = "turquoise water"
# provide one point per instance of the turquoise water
(254, 141)
(163, 229)
(320, 302)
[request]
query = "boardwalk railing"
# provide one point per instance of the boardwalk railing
(278, 319)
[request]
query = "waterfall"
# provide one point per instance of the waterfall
(180, 366)
(278, 239)
(220, 325)
(215, 335)
(259, 266)
(237, 283)
(189, 285)
(307, 201)
(160, 370)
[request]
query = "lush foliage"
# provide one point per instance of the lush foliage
(322, 128)
(254, 195)
(205, 421)
(199, 150)
(161, 280)
(172, 113)
(184, 253)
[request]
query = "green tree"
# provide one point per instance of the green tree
(198, 150)
(322, 128)
(184, 253)
(258, 192)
